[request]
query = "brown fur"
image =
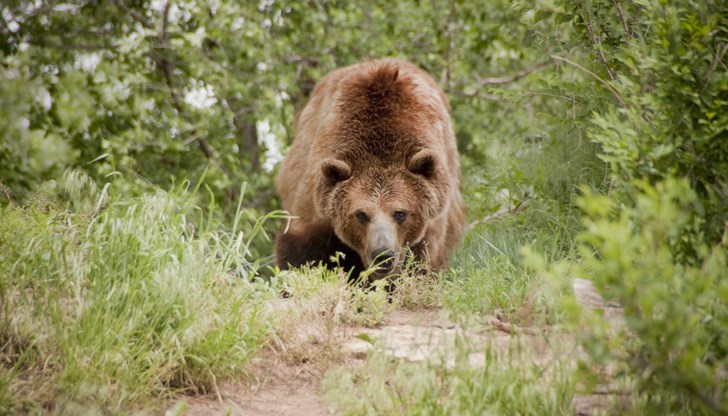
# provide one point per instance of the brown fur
(375, 139)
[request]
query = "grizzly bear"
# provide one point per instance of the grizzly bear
(373, 173)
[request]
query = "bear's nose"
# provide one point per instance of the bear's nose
(383, 258)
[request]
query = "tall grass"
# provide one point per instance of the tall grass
(489, 276)
(108, 302)
(519, 187)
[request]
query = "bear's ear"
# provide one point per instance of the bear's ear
(335, 170)
(423, 163)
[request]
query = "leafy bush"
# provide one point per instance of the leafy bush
(655, 239)
(675, 311)
(663, 65)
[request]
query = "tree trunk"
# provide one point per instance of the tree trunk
(246, 135)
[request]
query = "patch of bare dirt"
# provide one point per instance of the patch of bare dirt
(282, 389)
(289, 375)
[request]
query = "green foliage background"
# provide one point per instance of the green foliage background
(106, 87)
(594, 132)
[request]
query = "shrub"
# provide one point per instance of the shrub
(656, 239)
(676, 346)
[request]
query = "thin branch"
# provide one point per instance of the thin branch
(167, 67)
(450, 31)
(164, 62)
(715, 406)
(546, 94)
(133, 13)
(483, 82)
(499, 324)
(622, 19)
(612, 181)
(597, 77)
(597, 43)
(491, 97)
(319, 6)
(293, 58)
(29, 9)
(717, 58)
(80, 47)
(481, 95)
(329, 25)
(4, 24)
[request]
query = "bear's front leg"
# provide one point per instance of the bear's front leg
(314, 244)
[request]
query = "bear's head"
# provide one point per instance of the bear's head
(380, 208)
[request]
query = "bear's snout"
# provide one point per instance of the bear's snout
(381, 249)
(384, 259)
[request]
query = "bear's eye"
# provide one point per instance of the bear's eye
(400, 216)
(362, 217)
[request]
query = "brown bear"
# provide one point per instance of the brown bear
(373, 172)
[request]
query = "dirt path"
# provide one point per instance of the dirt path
(288, 388)
(285, 390)
(289, 380)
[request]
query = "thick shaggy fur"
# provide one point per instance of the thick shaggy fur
(375, 140)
